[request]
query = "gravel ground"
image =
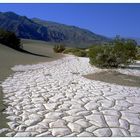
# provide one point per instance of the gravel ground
(115, 77)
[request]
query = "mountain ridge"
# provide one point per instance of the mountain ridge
(35, 28)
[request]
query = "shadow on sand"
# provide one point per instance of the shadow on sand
(27, 52)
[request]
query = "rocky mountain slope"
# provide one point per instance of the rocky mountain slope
(49, 31)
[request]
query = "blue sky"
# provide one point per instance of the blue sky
(105, 19)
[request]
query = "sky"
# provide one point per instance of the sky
(105, 19)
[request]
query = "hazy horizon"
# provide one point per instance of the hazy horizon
(104, 19)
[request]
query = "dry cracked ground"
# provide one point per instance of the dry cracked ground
(54, 99)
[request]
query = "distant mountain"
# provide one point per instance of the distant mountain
(134, 38)
(22, 26)
(137, 40)
(49, 31)
(71, 34)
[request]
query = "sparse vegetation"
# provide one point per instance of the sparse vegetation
(80, 53)
(59, 48)
(121, 53)
(9, 39)
(76, 52)
(138, 53)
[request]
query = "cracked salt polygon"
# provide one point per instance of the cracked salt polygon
(124, 124)
(116, 132)
(134, 128)
(91, 105)
(25, 134)
(106, 103)
(84, 113)
(97, 120)
(91, 128)
(45, 134)
(112, 121)
(59, 123)
(85, 134)
(75, 127)
(131, 118)
(102, 132)
(37, 128)
(60, 131)
(83, 123)
(111, 112)
(54, 115)
(74, 111)
(72, 118)
(50, 106)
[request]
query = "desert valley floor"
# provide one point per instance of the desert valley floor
(54, 99)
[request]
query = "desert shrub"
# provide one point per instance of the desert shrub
(76, 52)
(138, 57)
(102, 57)
(138, 53)
(125, 51)
(9, 39)
(69, 50)
(80, 53)
(122, 53)
(59, 48)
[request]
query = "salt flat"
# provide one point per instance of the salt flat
(54, 99)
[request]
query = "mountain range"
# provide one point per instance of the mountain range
(137, 40)
(49, 31)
